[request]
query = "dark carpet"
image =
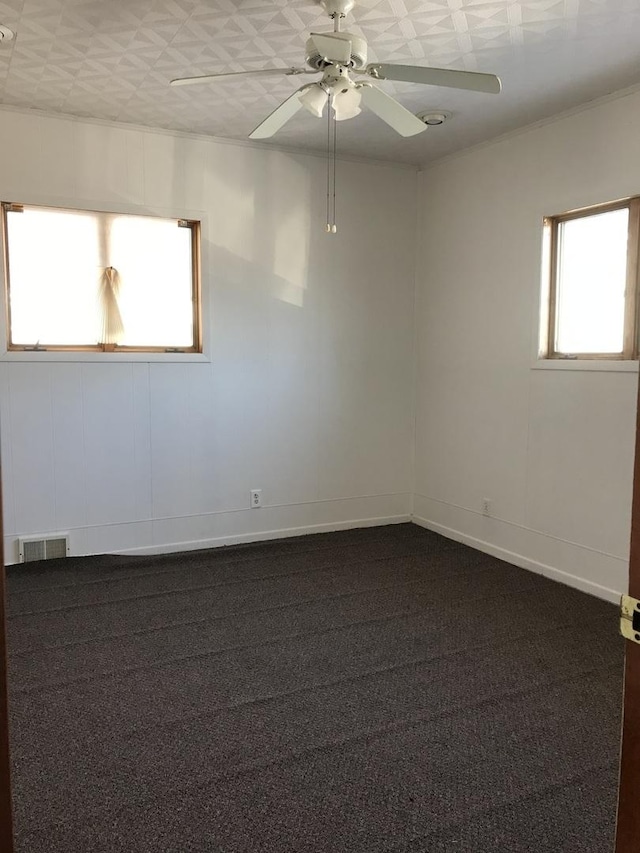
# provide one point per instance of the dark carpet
(356, 692)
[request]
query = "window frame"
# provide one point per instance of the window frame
(194, 224)
(549, 308)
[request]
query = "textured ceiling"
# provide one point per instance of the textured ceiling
(112, 59)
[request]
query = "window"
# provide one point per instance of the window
(591, 283)
(85, 280)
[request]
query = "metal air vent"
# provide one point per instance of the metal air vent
(43, 547)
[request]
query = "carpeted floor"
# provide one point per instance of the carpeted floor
(356, 692)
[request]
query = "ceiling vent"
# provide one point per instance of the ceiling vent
(43, 548)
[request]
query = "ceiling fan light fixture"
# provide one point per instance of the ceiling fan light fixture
(346, 103)
(314, 98)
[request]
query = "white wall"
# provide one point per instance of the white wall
(307, 393)
(552, 449)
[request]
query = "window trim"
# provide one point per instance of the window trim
(549, 308)
(195, 226)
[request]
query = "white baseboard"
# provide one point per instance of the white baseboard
(601, 575)
(211, 530)
(266, 535)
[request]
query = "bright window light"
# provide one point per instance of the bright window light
(592, 275)
(54, 274)
(590, 283)
(153, 257)
(74, 277)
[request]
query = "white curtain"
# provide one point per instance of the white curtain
(111, 325)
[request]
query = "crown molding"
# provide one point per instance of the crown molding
(619, 94)
(216, 140)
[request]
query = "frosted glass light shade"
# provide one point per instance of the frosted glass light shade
(346, 104)
(314, 100)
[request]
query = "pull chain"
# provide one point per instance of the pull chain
(334, 227)
(332, 146)
(328, 168)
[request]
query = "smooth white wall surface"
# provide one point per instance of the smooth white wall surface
(307, 390)
(551, 448)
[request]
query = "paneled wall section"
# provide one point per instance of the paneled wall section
(551, 446)
(305, 392)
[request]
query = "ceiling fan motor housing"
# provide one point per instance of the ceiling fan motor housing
(358, 52)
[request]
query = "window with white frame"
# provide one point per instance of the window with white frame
(590, 283)
(88, 280)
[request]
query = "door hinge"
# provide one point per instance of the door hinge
(630, 618)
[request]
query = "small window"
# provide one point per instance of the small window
(110, 282)
(591, 283)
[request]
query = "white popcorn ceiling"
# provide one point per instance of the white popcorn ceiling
(112, 59)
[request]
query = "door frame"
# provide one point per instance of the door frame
(6, 810)
(628, 819)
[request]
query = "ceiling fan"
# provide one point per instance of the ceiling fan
(339, 57)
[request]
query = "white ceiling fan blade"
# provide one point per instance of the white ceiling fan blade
(472, 80)
(264, 72)
(279, 117)
(333, 48)
(389, 110)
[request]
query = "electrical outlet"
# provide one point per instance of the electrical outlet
(486, 506)
(256, 498)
